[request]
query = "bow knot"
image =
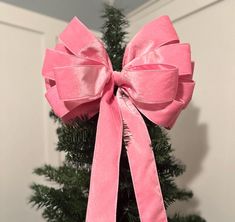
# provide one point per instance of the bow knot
(118, 79)
(157, 79)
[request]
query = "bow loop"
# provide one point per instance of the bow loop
(155, 34)
(76, 86)
(81, 83)
(57, 59)
(167, 76)
(80, 41)
(152, 83)
(76, 36)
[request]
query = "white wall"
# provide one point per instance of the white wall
(27, 136)
(87, 11)
(203, 136)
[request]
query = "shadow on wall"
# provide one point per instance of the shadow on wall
(189, 140)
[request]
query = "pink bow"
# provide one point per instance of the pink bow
(156, 80)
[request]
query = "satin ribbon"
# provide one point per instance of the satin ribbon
(156, 80)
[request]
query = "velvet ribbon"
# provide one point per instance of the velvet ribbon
(156, 80)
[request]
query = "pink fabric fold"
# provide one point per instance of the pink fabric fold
(156, 81)
(163, 89)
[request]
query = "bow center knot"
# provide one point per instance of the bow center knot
(118, 79)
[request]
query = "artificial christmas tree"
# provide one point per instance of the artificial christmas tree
(67, 202)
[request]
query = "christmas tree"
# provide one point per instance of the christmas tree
(67, 201)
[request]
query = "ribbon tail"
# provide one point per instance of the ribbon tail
(103, 192)
(142, 164)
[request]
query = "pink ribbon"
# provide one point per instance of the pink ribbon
(156, 80)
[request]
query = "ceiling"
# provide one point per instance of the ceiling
(88, 11)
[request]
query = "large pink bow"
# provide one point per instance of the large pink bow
(156, 80)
